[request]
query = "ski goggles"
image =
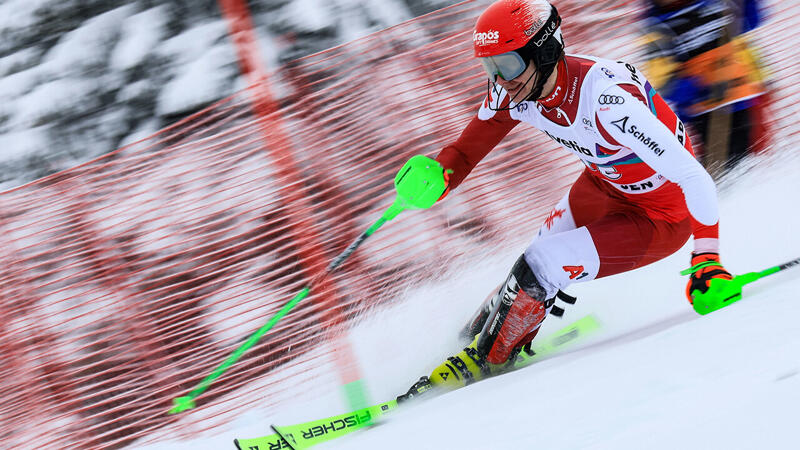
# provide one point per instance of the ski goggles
(508, 65)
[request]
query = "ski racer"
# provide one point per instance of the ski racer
(639, 198)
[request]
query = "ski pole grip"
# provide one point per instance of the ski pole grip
(419, 184)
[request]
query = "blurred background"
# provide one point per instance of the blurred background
(82, 78)
(172, 172)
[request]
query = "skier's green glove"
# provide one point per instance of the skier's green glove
(710, 286)
(421, 182)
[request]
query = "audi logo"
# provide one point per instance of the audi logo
(611, 100)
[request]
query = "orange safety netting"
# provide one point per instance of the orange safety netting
(128, 279)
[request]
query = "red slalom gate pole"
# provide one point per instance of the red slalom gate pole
(302, 229)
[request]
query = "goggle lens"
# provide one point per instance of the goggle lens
(508, 66)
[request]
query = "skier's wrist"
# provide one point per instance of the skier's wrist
(446, 174)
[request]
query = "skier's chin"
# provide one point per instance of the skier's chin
(520, 94)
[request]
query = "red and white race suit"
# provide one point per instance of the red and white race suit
(642, 193)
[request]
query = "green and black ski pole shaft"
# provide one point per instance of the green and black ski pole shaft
(419, 184)
(186, 402)
(753, 276)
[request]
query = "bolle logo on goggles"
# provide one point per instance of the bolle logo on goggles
(489, 37)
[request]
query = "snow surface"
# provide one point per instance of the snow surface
(657, 376)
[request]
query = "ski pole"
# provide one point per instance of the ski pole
(418, 184)
(722, 293)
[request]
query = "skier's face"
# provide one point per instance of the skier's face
(520, 87)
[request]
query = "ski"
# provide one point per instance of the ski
(308, 434)
(311, 433)
(571, 334)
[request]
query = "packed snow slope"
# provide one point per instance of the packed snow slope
(656, 376)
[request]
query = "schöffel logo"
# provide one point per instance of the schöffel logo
(547, 32)
(574, 90)
(489, 37)
(622, 124)
(608, 73)
(610, 100)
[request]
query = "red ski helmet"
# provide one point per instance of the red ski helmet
(510, 34)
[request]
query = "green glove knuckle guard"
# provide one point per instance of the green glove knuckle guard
(420, 182)
(720, 293)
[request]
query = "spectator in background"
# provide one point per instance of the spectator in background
(700, 61)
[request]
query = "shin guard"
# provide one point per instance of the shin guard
(517, 315)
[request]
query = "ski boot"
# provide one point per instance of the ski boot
(476, 322)
(458, 371)
(465, 367)
(505, 323)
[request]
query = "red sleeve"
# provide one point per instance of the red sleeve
(475, 142)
